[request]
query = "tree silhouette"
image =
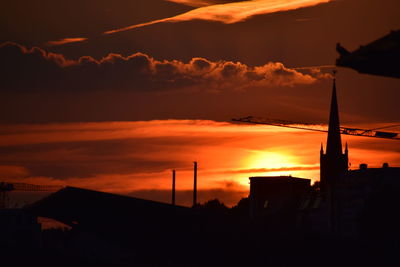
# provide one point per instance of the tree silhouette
(214, 206)
(241, 209)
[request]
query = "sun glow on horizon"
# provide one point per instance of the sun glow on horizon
(136, 158)
(270, 160)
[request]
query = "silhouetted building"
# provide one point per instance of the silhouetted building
(108, 227)
(348, 196)
(270, 196)
(380, 57)
(361, 190)
(385, 175)
(334, 163)
(19, 229)
(88, 208)
(103, 223)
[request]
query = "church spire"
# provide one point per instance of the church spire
(334, 163)
(334, 143)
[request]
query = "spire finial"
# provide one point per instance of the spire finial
(334, 72)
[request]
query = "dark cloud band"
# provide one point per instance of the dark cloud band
(37, 69)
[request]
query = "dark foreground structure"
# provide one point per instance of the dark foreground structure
(277, 196)
(380, 57)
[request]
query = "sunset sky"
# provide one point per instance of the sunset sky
(113, 95)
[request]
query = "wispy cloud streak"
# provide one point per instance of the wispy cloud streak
(193, 3)
(200, 3)
(66, 41)
(231, 12)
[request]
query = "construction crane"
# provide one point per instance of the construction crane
(322, 127)
(5, 188)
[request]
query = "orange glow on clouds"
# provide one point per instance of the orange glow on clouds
(230, 12)
(193, 3)
(66, 41)
(136, 158)
(199, 74)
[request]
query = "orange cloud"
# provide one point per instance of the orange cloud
(199, 3)
(192, 3)
(65, 41)
(231, 12)
(12, 171)
(137, 157)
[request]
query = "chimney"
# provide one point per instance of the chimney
(385, 165)
(363, 166)
(173, 187)
(195, 185)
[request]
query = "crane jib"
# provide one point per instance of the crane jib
(317, 127)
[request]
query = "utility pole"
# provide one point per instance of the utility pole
(195, 185)
(173, 187)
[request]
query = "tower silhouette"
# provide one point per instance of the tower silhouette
(334, 163)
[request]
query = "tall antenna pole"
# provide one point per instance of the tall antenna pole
(173, 187)
(195, 185)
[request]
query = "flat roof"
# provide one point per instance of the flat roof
(272, 178)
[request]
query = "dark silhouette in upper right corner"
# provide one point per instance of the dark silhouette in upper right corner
(380, 57)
